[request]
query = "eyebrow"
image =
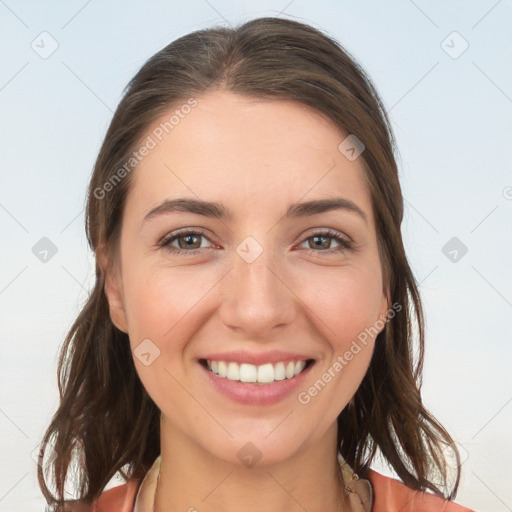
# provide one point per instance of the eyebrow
(218, 211)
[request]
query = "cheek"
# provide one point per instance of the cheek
(345, 304)
(346, 310)
(160, 301)
(165, 306)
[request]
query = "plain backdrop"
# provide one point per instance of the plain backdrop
(444, 72)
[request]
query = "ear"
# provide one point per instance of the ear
(113, 289)
(385, 304)
(385, 307)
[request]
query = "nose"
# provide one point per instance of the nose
(256, 298)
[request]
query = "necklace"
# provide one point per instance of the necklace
(156, 488)
(358, 490)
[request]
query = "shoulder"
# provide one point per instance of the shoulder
(390, 495)
(117, 499)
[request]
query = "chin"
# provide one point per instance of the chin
(254, 450)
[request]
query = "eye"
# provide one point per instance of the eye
(188, 241)
(322, 240)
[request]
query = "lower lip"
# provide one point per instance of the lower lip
(252, 393)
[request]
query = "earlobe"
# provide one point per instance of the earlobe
(385, 307)
(112, 289)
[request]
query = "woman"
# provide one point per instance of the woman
(248, 342)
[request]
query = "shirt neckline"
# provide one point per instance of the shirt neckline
(359, 490)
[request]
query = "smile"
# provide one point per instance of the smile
(255, 393)
(262, 374)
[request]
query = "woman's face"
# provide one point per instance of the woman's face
(258, 281)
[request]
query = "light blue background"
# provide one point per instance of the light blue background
(452, 119)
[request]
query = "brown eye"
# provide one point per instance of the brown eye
(188, 242)
(323, 241)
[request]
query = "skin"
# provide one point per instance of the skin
(255, 157)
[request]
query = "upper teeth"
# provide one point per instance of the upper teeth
(250, 373)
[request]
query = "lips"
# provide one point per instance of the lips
(254, 393)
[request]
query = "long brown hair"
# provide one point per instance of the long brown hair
(106, 422)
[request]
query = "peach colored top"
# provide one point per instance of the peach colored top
(377, 494)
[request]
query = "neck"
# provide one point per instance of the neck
(192, 479)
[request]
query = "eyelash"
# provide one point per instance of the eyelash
(344, 243)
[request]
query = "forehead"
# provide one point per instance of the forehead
(248, 152)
